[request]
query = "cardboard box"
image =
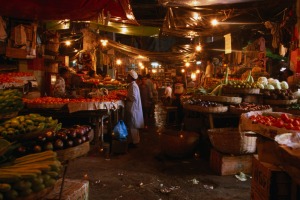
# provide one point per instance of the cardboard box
(267, 151)
(269, 182)
(73, 189)
(224, 164)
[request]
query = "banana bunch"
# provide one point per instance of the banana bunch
(10, 101)
(29, 174)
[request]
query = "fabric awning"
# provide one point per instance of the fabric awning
(115, 10)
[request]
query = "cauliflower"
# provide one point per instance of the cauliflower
(284, 85)
(262, 80)
(260, 86)
(270, 87)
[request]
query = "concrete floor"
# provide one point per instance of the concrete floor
(145, 173)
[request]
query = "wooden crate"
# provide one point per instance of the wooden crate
(224, 164)
(269, 182)
(267, 151)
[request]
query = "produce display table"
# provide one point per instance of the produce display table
(95, 111)
(212, 117)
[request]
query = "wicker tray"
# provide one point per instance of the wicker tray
(9, 115)
(45, 105)
(221, 99)
(232, 141)
(37, 195)
(231, 90)
(73, 152)
(234, 110)
(218, 109)
(280, 102)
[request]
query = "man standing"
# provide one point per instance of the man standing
(168, 94)
(133, 108)
(146, 100)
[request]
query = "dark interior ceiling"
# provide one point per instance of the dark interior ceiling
(245, 17)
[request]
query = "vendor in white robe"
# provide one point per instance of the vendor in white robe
(133, 108)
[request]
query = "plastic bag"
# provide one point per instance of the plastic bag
(120, 131)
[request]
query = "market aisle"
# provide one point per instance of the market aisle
(143, 173)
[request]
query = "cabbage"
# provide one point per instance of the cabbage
(260, 86)
(276, 84)
(262, 80)
(284, 85)
(270, 87)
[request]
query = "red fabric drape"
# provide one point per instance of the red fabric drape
(66, 9)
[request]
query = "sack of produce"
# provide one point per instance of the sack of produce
(179, 144)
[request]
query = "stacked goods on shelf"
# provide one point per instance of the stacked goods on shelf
(26, 126)
(10, 102)
(29, 177)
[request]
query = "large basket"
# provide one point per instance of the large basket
(280, 102)
(231, 90)
(73, 152)
(196, 108)
(178, 144)
(232, 141)
(221, 99)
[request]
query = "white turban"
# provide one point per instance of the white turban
(133, 74)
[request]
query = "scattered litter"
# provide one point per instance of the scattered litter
(208, 187)
(120, 174)
(195, 181)
(97, 182)
(141, 184)
(241, 176)
(161, 185)
(174, 187)
(166, 190)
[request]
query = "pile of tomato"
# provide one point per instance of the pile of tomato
(284, 121)
(46, 100)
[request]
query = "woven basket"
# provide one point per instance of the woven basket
(178, 144)
(73, 152)
(231, 90)
(232, 141)
(235, 110)
(221, 99)
(280, 102)
(9, 115)
(218, 109)
(37, 195)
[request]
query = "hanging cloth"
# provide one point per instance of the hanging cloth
(3, 34)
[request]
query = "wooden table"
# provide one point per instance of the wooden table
(97, 113)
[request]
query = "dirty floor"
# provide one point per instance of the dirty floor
(144, 173)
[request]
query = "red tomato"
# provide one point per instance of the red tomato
(296, 122)
(284, 117)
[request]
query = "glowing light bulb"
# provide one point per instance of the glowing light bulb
(68, 43)
(182, 70)
(214, 22)
(119, 62)
(187, 64)
(198, 48)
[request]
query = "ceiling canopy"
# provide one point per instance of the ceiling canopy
(113, 10)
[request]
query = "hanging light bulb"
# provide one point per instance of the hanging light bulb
(214, 22)
(68, 42)
(198, 47)
(119, 62)
(187, 64)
